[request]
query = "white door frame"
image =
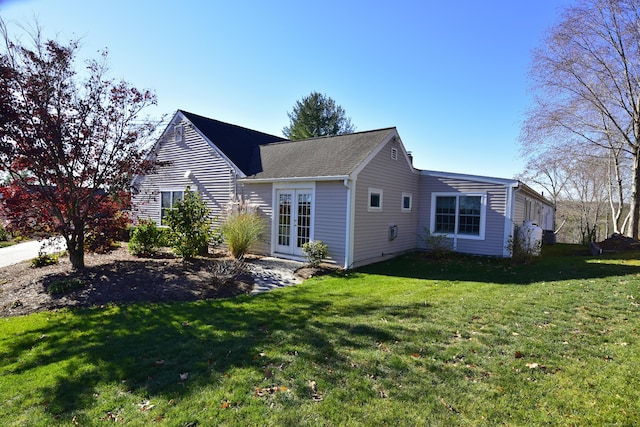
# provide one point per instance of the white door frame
(293, 189)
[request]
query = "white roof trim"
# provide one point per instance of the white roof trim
(487, 179)
(296, 178)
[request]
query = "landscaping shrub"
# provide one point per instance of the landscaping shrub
(226, 271)
(438, 246)
(4, 234)
(522, 252)
(43, 259)
(315, 251)
(105, 232)
(146, 239)
(241, 230)
(190, 225)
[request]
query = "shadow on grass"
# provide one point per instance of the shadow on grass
(145, 348)
(558, 262)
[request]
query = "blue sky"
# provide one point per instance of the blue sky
(450, 75)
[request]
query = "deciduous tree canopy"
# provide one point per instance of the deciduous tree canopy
(586, 79)
(69, 142)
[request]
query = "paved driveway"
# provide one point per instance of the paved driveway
(26, 251)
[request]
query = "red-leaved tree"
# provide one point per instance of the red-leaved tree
(69, 141)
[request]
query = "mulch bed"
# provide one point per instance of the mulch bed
(618, 243)
(120, 278)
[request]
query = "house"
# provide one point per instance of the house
(359, 193)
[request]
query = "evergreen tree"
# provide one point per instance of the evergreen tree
(317, 115)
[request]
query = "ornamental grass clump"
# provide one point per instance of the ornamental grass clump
(241, 230)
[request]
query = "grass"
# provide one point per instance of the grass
(461, 342)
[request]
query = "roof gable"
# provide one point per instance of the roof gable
(238, 144)
(329, 156)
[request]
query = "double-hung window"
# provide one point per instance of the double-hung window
(458, 215)
(168, 199)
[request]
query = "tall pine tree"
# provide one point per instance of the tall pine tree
(317, 115)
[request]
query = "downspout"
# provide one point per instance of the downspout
(348, 243)
(510, 191)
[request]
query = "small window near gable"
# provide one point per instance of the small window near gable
(407, 201)
(394, 154)
(375, 200)
(177, 132)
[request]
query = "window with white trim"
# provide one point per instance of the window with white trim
(407, 202)
(375, 200)
(458, 215)
(394, 154)
(168, 200)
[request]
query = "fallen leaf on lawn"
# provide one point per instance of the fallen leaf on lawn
(110, 417)
(415, 355)
(159, 363)
(518, 355)
(146, 406)
(315, 396)
(446, 405)
(532, 365)
(225, 405)
(184, 376)
(260, 392)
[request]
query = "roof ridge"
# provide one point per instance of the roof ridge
(187, 113)
(315, 138)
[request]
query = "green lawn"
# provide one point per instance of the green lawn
(466, 341)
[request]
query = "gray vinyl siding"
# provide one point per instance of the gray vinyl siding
(211, 176)
(539, 212)
(331, 218)
(493, 243)
(259, 196)
(371, 229)
(518, 212)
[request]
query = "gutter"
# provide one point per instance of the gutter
(295, 178)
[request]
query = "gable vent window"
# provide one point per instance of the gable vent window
(394, 154)
(177, 132)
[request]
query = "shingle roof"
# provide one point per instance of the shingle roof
(237, 143)
(317, 157)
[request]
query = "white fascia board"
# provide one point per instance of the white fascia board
(478, 178)
(294, 178)
(533, 193)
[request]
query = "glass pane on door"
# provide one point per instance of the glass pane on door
(284, 219)
(304, 219)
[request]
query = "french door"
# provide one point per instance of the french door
(294, 212)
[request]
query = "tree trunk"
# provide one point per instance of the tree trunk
(634, 201)
(75, 246)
